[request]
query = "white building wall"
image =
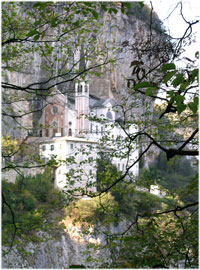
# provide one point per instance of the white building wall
(64, 148)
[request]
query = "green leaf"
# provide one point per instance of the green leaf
(32, 33)
(36, 23)
(171, 93)
(53, 22)
(196, 100)
(150, 90)
(179, 99)
(104, 7)
(114, 10)
(142, 85)
(194, 74)
(184, 85)
(181, 108)
(141, 5)
(178, 80)
(169, 76)
(87, 4)
(37, 4)
(127, 4)
(168, 66)
(77, 24)
(95, 14)
(36, 37)
(193, 107)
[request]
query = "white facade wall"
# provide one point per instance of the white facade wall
(64, 148)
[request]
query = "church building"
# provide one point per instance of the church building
(73, 127)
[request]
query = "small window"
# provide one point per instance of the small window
(101, 130)
(43, 147)
(40, 133)
(118, 167)
(97, 130)
(70, 132)
(71, 146)
(79, 88)
(90, 172)
(52, 147)
(91, 128)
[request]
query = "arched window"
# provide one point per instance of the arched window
(47, 133)
(79, 88)
(70, 132)
(54, 110)
(54, 124)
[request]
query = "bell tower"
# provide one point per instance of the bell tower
(82, 108)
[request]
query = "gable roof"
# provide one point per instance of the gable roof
(103, 102)
(98, 103)
(57, 95)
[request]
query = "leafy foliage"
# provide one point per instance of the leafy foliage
(31, 199)
(89, 211)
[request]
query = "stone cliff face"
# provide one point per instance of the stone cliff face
(60, 253)
(130, 37)
(69, 247)
(120, 31)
